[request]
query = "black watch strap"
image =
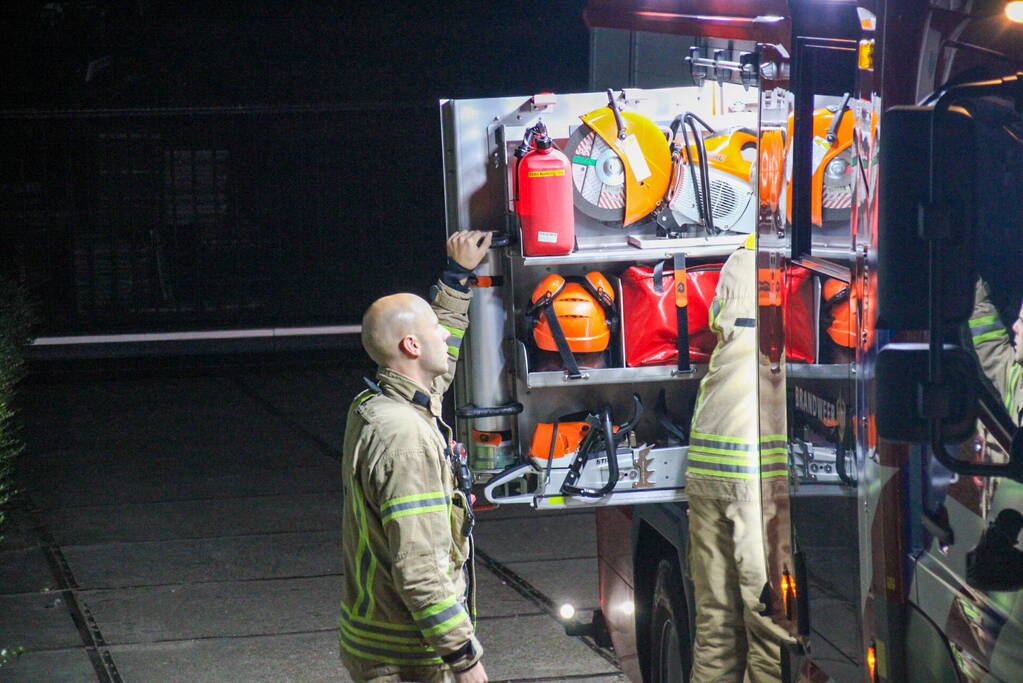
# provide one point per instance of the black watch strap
(467, 651)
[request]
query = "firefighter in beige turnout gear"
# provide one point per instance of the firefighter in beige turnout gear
(1001, 359)
(727, 459)
(406, 545)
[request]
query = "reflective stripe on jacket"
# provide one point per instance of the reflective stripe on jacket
(403, 597)
(995, 351)
(724, 447)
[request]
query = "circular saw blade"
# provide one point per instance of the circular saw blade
(598, 176)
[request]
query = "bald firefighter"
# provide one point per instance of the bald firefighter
(726, 547)
(406, 603)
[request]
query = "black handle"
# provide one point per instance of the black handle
(500, 239)
(471, 411)
(613, 106)
(606, 433)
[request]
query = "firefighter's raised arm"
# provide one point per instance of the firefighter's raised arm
(466, 250)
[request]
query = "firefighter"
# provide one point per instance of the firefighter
(1000, 358)
(726, 547)
(406, 599)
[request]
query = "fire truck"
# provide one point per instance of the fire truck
(871, 153)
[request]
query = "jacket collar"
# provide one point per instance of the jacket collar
(402, 386)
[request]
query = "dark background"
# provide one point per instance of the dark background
(194, 165)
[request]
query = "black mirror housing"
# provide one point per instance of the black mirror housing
(905, 400)
(908, 224)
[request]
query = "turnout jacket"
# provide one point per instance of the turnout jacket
(405, 525)
(995, 352)
(727, 457)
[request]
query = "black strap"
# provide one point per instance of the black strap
(682, 314)
(373, 386)
(661, 412)
(567, 359)
(658, 277)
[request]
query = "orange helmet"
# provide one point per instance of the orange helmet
(584, 308)
(840, 300)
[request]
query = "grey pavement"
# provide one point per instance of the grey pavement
(187, 528)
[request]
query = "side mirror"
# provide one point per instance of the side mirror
(906, 401)
(913, 229)
(912, 409)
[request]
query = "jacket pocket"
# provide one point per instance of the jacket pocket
(460, 528)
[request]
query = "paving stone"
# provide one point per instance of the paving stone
(52, 666)
(211, 610)
(571, 581)
(25, 571)
(535, 647)
(98, 488)
(554, 537)
(120, 565)
(302, 657)
(36, 621)
(194, 519)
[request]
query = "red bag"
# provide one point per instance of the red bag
(651, 329)
(649, 318)
(800, 330)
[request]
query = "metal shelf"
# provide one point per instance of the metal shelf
(619, 249)
(826, 371)
(654, 373)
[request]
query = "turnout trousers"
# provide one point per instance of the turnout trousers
(726, 565)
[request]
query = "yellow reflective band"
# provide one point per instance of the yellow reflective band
(377, 657)
(556, 500)
(434, 608)
(719, 473)
(453, 351)
(381, 624)
(995, 334)
(447, 624)
(455, 331)
(414, 511)
(363, 397)
(774, 451)
(774, 459)
(773, 437)
(775, 473)
(411, 498)
(380, 640)
(735, 458)
(983, 320)
(718, 437)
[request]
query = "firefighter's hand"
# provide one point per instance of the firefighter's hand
(476, 674)
(467, 248)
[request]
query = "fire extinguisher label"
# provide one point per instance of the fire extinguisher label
(551, 237)
(546, 174)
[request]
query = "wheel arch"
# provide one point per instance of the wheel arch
(658, 534)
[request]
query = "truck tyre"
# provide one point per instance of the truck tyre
(671, 654)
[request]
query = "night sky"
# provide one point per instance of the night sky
(369, 179)
(287, 51)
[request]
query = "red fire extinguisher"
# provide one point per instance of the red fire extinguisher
(543, 189)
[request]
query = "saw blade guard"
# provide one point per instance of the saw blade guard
(619, 173)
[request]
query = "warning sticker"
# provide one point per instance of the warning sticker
(546, 174)
(634, 155)
(551, 237)
(820, 147)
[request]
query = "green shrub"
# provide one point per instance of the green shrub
(16, 321)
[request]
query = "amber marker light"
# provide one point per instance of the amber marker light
(1014, 11)
(872, 663)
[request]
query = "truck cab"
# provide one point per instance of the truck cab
(869, 153)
